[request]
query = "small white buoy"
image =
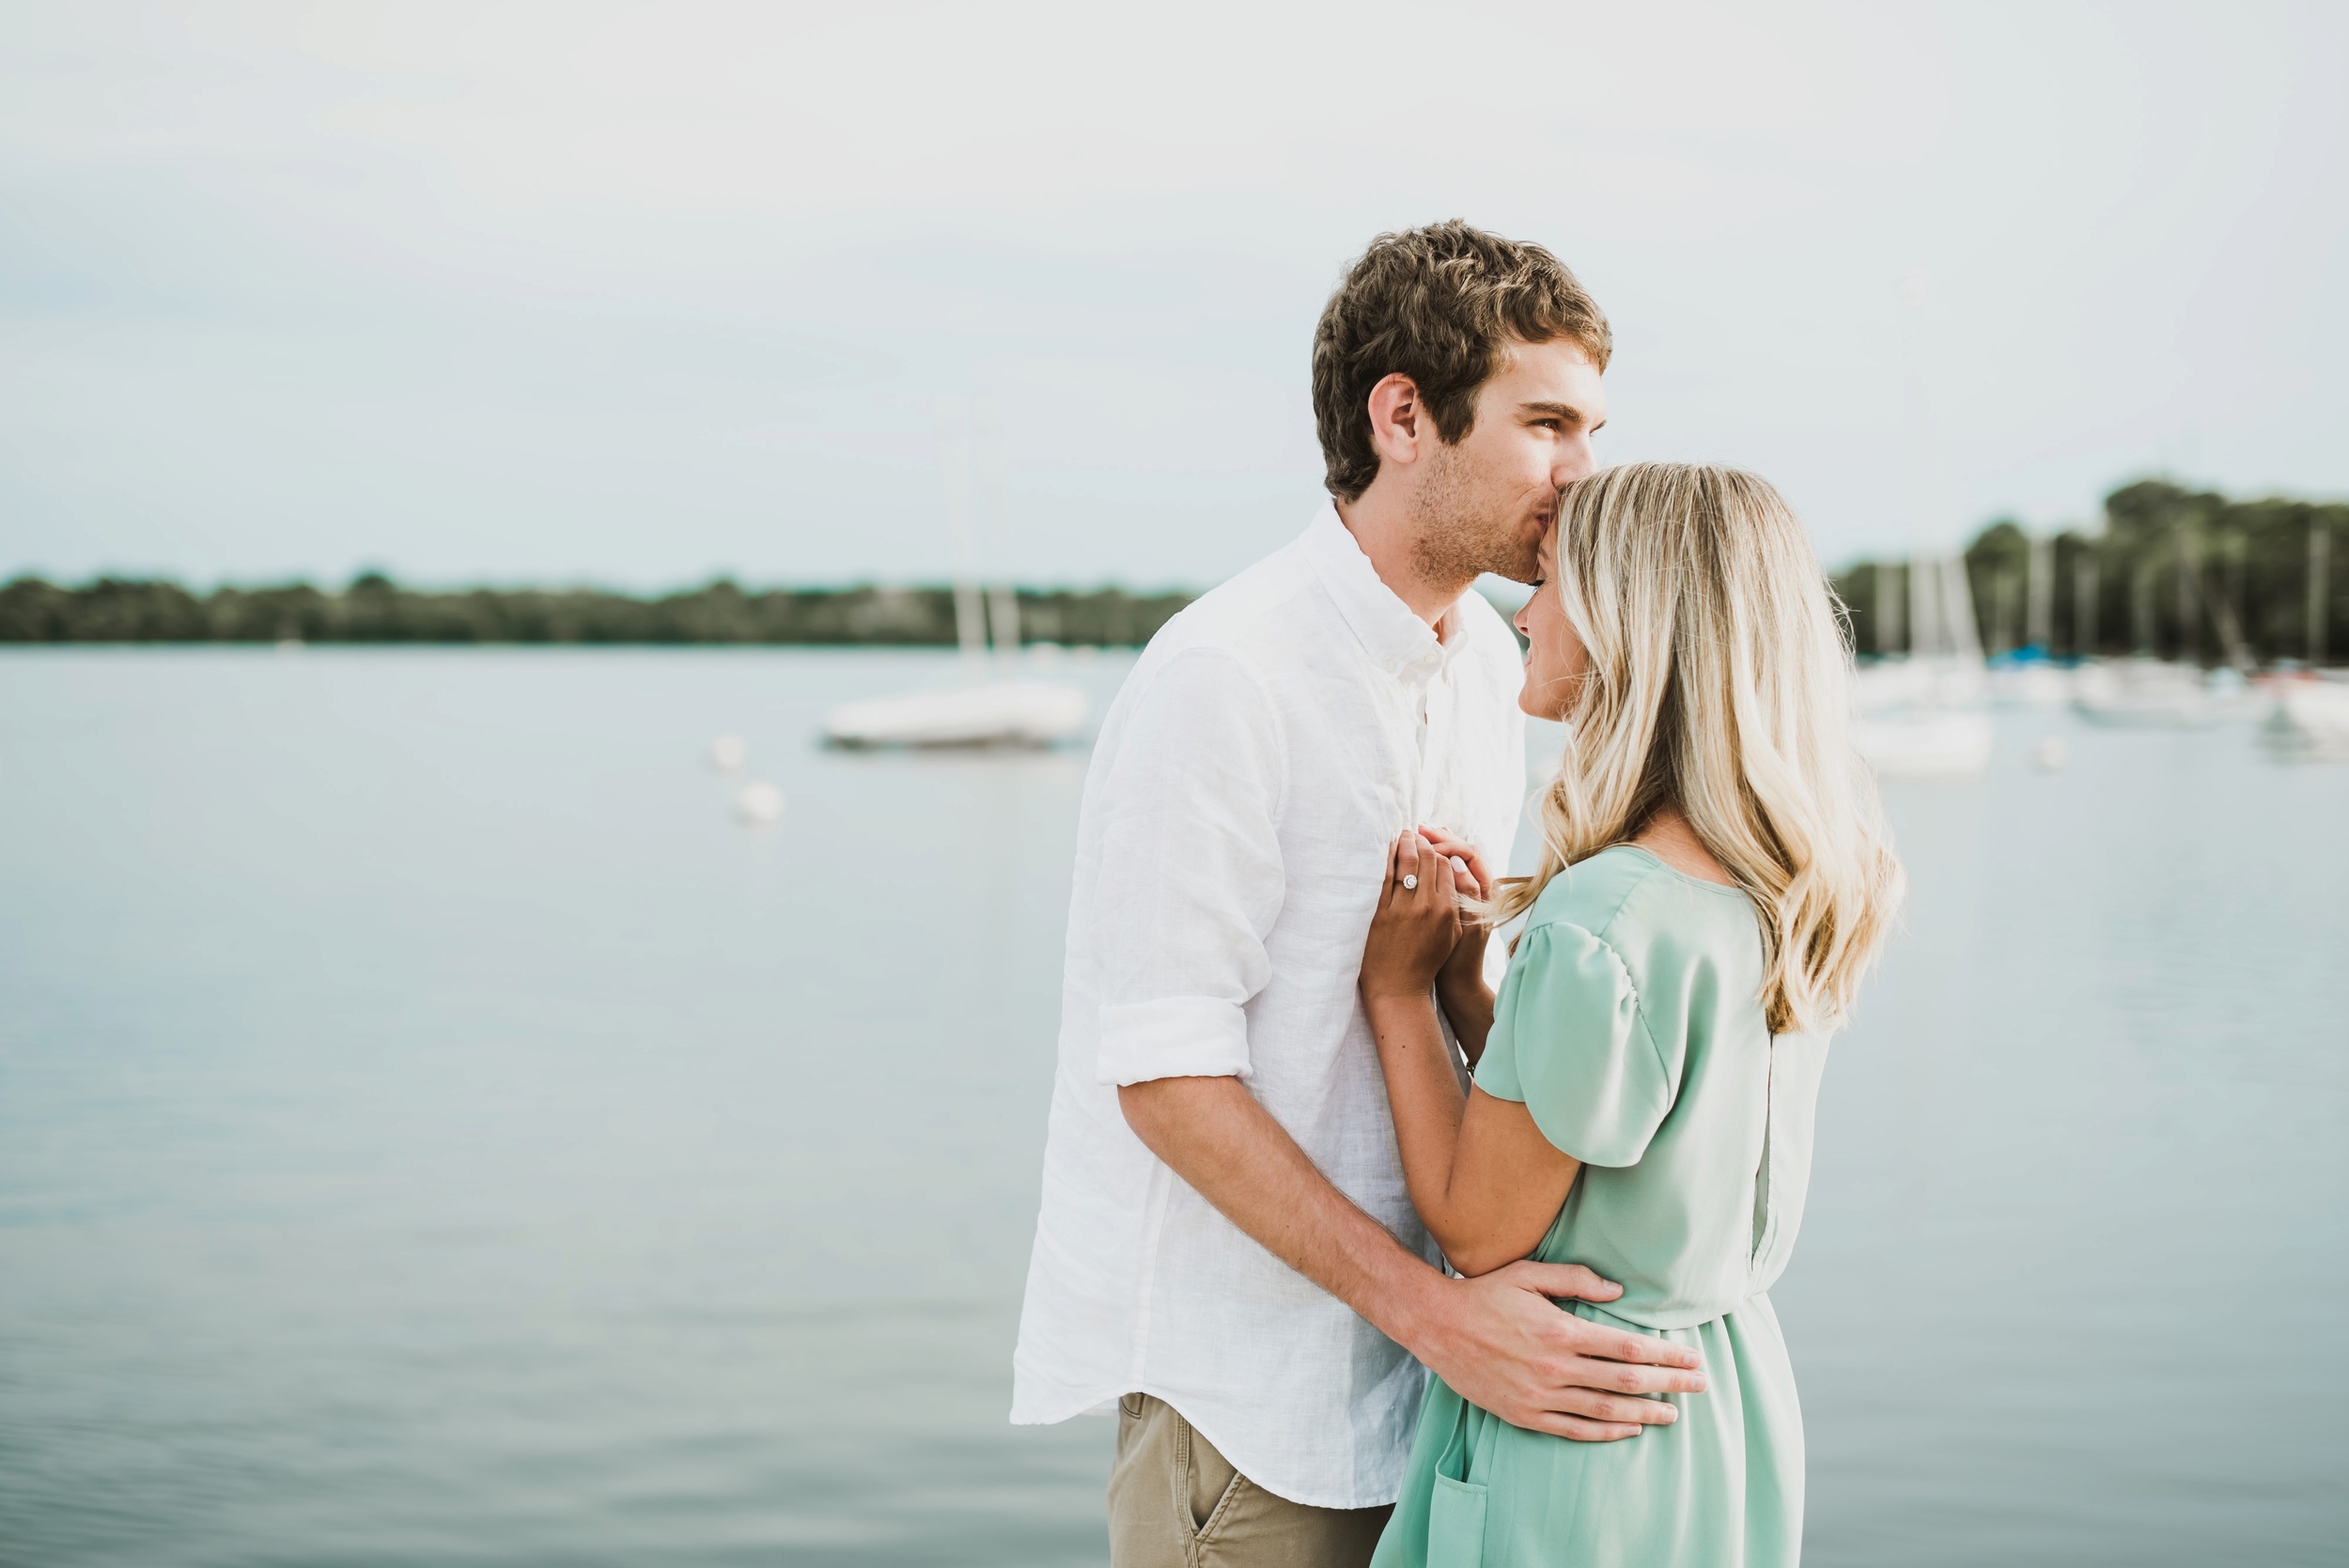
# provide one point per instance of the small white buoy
(758, 804)
(2050, 754)
(727, 753)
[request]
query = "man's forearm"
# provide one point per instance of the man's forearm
(1212, 1132)
(1499, 1340)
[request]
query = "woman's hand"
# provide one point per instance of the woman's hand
(1461, 981)
(1477, 882)
(1418, 925)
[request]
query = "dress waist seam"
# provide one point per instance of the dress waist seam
(1675, 1322)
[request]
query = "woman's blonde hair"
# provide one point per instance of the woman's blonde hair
(1719, 680)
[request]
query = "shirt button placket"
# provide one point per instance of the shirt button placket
(1424, 781)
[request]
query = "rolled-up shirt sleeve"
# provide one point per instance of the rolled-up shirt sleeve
(1190, 874)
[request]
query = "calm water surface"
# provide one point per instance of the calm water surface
(432, 1131)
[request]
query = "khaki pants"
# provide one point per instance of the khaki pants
(1175, 1503)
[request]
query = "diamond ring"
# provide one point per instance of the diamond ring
(1411, 883)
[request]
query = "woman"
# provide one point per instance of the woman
(1714, 879)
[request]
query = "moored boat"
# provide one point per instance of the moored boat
(2143, 694)
(979, 712)
(997, 713)
(2310, 720)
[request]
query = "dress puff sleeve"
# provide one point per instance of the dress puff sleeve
(1570, 1043)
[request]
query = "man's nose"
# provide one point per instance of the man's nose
(1573, 461)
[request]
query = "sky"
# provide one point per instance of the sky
(636, 295)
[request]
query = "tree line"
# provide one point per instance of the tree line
(374, 608)
(2175, 573)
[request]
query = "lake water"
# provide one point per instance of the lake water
(433, 1131)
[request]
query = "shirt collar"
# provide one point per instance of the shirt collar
(1397, 640)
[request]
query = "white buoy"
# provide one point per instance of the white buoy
(727, 753)
(758, 804)
(2049, 754)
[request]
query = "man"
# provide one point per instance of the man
(1225, 1246)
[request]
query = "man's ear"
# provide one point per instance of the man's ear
(1397, 420)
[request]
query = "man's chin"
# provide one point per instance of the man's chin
(1522, 568)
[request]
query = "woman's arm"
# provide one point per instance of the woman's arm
(1485, 1182)
(1468, 1008)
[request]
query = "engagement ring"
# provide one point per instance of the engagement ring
(1410, 882)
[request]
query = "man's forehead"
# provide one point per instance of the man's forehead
(1555, 356)
(1559, 371)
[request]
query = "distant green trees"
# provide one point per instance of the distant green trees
(374, 608)
(2175, 573)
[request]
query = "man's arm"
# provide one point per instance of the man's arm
(1499, 1341)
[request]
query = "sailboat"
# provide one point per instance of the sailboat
(1922, 716)
(2147, 694)
(979, 712)
(2310, 722)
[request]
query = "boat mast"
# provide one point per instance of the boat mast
(2039, 596)
(1929, 630)
(954, 471)
(1002, 600)
(2320, 548)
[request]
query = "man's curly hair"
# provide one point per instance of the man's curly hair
(1440, 304)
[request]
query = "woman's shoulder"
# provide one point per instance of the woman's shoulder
(1571, 1037)
(1594, 893)
(1647, 911)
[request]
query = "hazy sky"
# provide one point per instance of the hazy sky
(634, 294)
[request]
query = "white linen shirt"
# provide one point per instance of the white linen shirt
(1269, 744)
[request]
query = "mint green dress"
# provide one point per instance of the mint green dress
(1628, 1024)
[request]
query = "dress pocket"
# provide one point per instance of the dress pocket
(1456, 1524)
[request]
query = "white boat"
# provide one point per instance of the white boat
(1922, 714)
(1918, 681)
(2030, 684)
(997, 713)
(977, 711)
(1925, 744)
(2145, 694)
(2310, 722)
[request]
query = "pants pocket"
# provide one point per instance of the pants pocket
(1456, 1524)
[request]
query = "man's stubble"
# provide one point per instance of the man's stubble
(1464, 529)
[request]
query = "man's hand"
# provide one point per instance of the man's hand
(1503, 1347)
(1498, 1340)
